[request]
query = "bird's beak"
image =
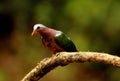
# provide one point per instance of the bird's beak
(34, 32)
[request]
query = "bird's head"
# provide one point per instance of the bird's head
(37, 28)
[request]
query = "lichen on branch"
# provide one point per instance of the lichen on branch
(64, 58)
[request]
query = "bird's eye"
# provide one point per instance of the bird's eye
(38, 27)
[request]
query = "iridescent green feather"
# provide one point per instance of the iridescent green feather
(65, 42)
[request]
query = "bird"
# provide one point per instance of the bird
(54, 40)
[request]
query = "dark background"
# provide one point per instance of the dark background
(93, 25)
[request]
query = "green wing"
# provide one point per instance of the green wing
(64, 42)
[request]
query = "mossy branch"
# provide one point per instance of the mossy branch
(64, 58)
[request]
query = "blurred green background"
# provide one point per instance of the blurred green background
(93, 25)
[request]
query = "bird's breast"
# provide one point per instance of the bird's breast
(51, 45)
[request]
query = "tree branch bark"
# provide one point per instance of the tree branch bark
(64, 58)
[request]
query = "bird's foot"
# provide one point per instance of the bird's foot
(57, 54)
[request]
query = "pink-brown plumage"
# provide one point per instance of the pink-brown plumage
(48, 39)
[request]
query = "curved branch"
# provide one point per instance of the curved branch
(64, 58)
